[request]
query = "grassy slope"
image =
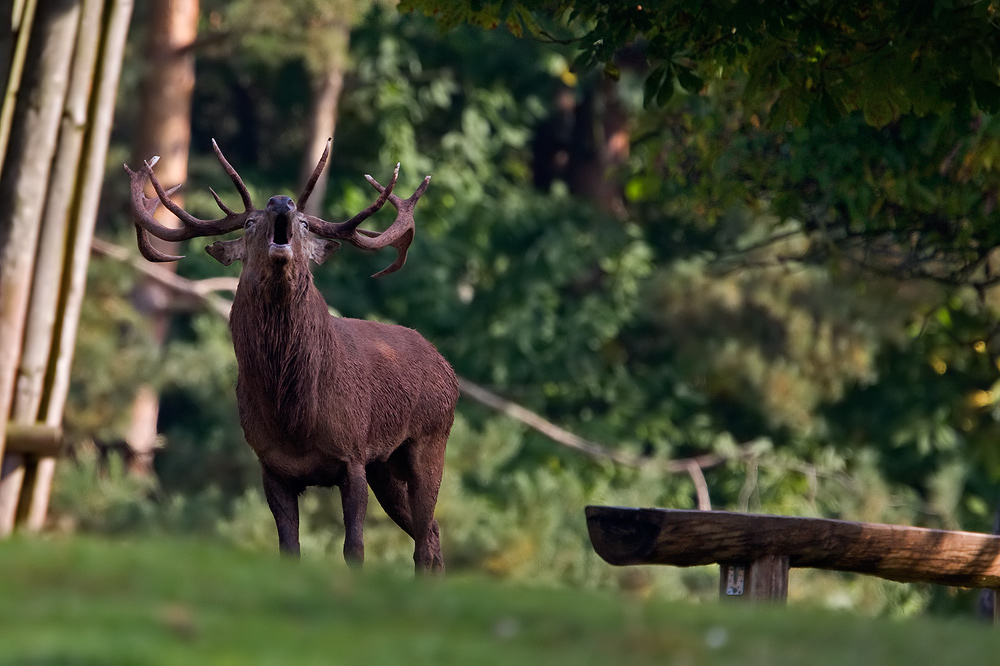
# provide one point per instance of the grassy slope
(168, 602)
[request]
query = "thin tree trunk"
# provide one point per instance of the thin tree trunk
(23, 184)
(22, 14)
(327, 85)
(21, 19)
(164, 130)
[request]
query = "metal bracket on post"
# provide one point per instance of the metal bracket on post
(733, 579)
(765, 579)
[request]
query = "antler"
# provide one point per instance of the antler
(143, 208)
(314, 176)
(399, 235)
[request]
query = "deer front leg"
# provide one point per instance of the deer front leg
(283, 499)
(354, 497)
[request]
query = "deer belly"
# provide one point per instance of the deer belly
(311, 468)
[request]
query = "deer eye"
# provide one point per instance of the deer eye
(249, 225)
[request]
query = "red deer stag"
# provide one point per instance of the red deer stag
(324, 401)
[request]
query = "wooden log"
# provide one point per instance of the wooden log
(624, 536)
(34, 439)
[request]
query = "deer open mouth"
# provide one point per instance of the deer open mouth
(280, 236)
(281, 248)
(282, 208)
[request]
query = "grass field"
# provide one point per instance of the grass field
(79, 601)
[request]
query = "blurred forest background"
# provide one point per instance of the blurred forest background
(737, 294)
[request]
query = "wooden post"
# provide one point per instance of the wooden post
(165, 107)
(763, 580)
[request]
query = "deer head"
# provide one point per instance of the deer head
(278, 237)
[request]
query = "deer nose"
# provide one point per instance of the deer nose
(280, 204)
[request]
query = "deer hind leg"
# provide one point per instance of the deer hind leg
(425, 464)
(354, 497)
(283, 500)
(391, 491)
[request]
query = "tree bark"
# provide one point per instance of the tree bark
(164, 130)
(16, 43)
(23, 184)
(327, 85)
(582, 141)
(15, 49)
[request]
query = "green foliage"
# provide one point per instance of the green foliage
(116, 345)
(198, 406)
(95, 494)
(315, 31)
(808, 60)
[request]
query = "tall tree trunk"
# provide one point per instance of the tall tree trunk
(582, 140)
(164, 130)
(23, 185)
(327, 84)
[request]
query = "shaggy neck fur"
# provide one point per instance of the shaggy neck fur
(281, 331)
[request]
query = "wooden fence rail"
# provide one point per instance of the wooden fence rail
(36, 439)
(756, 551)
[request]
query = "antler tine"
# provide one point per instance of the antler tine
(314, 176)
(143, 207)
(402, 244)
(147, 250)
(235, 177)
(394, 198)
(385, 194)
(148, 206)
(344, 230)
(225, 209)
(400, 234)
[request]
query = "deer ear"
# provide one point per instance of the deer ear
(322, 249)
(226, 252)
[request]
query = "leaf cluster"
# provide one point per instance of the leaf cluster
(809, 60)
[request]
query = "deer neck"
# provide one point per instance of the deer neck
(283, 339)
